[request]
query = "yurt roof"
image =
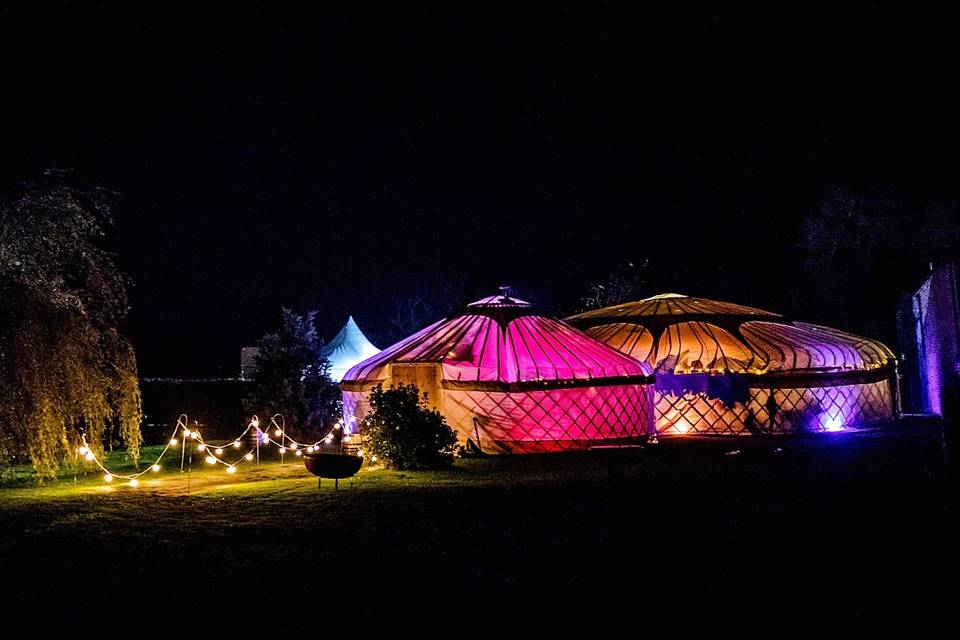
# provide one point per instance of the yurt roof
(685, 335)
(670, 305)
(486, 346)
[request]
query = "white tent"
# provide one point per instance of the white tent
(346, 349)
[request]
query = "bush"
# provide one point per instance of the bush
(404, 432)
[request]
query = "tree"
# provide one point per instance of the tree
(405, 432)
(862, 249)
(65, 368)
(624, 284)
(429, 302)
(292, 378)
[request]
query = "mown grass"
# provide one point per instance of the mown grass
(783, 523)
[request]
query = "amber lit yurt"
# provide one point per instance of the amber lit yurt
(726, 369)
(513, 381)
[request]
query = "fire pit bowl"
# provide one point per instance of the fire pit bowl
(332, 465)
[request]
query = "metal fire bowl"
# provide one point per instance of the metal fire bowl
(332, 465)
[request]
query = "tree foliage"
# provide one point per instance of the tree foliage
(65, 369)
(862, 249)
(624, 284)
(402, 430)
(429, 302)
(292, 378)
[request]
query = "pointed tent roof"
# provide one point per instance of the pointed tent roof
(500, 340)
(346, 349)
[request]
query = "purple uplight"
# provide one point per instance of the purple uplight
(832, 423)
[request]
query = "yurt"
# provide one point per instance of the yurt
(728, 369)
(346, 349)
(512, 381)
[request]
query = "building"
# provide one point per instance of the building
(929, 326)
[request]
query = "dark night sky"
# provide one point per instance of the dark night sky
(337, 160)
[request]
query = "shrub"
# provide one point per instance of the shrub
(404, 432)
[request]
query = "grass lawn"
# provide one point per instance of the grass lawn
(856, 526)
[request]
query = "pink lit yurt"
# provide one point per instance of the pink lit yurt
(728, 369)
(512, 381)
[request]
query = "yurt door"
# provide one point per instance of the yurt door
(424, 375)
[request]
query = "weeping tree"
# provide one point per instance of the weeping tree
(292, 378)
(65, 369)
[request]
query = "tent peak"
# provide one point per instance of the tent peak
(504, 299)
(347, 348)
(664, 296)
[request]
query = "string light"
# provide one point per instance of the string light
(278, 433)
(293, 444)
(108, 476)
(133, 479)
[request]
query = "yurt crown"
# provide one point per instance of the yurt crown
(502, 307)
